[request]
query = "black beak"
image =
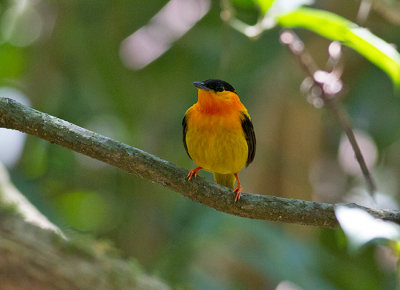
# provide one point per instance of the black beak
(200, 85)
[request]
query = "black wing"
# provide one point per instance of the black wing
(248, 129)
(184, 127)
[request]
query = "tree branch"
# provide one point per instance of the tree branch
(265, 207)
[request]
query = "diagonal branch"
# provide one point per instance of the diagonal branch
(265, 207)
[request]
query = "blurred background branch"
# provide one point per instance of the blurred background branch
(35, 254)
(19, 117)
(328, 85)
(35, 258)
(10, 196)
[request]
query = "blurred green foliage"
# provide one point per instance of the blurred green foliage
(340, 29)
(74, 71)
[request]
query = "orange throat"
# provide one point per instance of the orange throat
(209, 103)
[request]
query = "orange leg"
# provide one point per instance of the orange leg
(194, 173)
(238, 188)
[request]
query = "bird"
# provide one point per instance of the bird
(218, 134)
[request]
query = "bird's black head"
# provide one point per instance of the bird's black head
(215, 85)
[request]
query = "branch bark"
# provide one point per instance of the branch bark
(265, 207)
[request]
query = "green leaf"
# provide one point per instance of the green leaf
(335, 27)
(264, 4)
(279, 7)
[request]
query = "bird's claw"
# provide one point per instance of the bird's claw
(238, 191)
(193, 173)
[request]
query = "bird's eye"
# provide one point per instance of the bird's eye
(220, 88)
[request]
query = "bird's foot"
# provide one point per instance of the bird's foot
(238, 191)
(238, 188)
(193, 173)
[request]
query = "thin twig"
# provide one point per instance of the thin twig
(328, 89)
(265, 207)
(363, 11)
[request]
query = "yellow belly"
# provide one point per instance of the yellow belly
(217, 144)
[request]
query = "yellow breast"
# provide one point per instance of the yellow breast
(216, 142)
